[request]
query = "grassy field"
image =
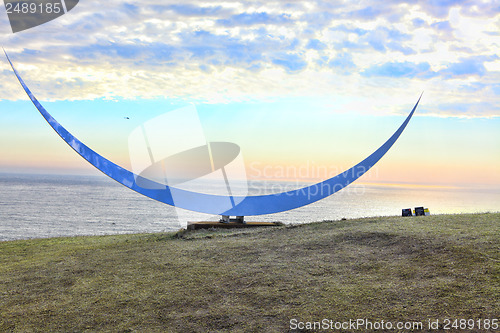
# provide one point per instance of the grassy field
(385, 268)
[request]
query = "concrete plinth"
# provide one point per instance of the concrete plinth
(229, 225)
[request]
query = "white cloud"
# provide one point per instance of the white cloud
(224, 51)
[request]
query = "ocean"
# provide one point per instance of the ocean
(41, 206)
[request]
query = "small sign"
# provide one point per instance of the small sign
(407, 212)
(419, 211)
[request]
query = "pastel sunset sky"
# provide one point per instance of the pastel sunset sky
(305, 88)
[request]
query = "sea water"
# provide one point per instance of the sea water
(40, 206)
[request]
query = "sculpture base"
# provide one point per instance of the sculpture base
(229, 225)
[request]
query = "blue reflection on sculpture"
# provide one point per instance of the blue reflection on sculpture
(217, 204)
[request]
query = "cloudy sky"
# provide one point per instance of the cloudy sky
(311, 84)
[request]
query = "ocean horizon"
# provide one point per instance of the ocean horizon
(43, 206)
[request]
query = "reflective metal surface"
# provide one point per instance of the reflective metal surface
(216, 204)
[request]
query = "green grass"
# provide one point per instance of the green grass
(386, 268)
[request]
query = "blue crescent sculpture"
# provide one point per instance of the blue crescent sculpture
(210, 203)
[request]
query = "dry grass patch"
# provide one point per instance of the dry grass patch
(386, 268)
